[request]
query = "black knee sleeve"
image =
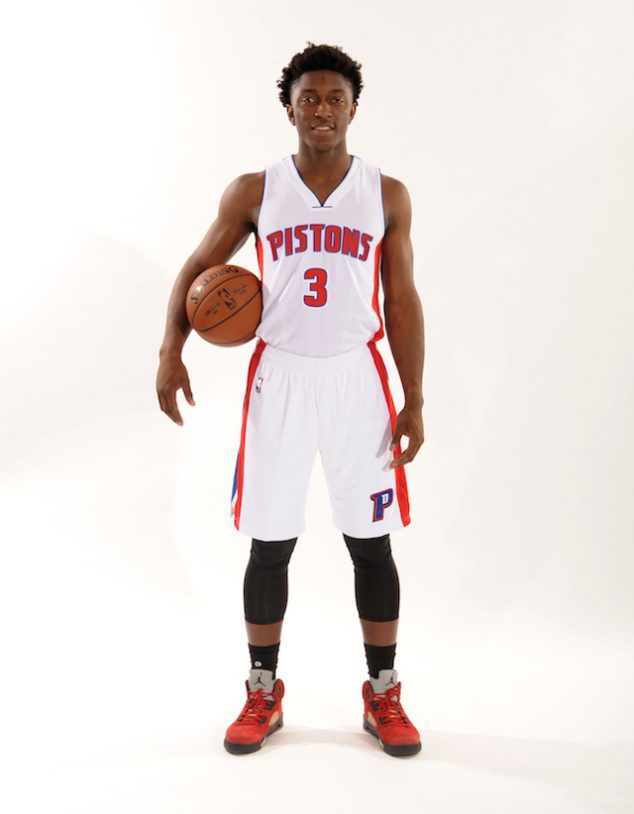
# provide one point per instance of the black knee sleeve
(266, 581)
(376, 583)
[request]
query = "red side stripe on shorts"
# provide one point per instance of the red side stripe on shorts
(253, 366)
(401, 482)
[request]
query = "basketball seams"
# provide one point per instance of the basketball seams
(221, 289)
(222, 321)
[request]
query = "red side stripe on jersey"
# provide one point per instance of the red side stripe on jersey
(260, 252)
(253, 366)
(401, 482)
(378, 254)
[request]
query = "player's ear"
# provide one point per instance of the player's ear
(290, 114)
(353, 110)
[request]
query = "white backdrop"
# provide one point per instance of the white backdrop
(125, 653)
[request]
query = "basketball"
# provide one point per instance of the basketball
(224, 305)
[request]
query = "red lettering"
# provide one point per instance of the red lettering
(329, 238)
(365, 242)
(332, 241)
(319, 277)
(350, 241)
(275, 239)
(288, 237)
(317, 229)
(300, 235)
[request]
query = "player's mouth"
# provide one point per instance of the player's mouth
(323, 128)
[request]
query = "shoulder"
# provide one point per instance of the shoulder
(393, 186)
(243, 196)
(250, 184)
(396, 200)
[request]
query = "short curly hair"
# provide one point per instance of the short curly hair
(319, 58)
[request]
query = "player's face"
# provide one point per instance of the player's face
(321, 108)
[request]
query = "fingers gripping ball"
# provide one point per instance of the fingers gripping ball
(224, 305)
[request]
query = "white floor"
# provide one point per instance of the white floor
(308, 768)
(129, 660)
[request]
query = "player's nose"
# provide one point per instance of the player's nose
(323, 110)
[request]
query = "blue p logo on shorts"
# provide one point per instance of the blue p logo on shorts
(381, 501)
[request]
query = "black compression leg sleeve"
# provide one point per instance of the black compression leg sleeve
(266, 581)
(376, 583)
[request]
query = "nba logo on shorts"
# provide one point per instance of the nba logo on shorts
(258, 384)
(381, 501)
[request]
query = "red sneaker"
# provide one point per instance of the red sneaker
(385, 718)
(260, 717)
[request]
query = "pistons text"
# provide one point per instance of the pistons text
(318, 237)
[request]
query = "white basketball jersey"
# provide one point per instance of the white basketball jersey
(320, 264)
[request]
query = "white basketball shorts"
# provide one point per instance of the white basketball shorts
(295, 405)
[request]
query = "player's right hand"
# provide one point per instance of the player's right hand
(172, 376)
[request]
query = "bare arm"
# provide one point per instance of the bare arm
(236, 219)
(404, 322)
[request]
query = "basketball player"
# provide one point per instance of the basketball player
(328, 227)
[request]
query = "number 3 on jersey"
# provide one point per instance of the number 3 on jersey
(319, 278)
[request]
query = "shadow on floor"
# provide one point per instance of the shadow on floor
(599, 777)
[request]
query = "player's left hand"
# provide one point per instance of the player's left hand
(409, 422)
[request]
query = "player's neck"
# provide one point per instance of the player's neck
(328, 164)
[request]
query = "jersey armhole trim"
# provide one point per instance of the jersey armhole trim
(257, 225)
(381, 199)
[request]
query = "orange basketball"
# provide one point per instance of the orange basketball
(224, 305)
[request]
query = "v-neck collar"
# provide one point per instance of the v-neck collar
(309, 196)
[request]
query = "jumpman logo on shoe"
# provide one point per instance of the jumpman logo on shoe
(391, 681)
(259, 681)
